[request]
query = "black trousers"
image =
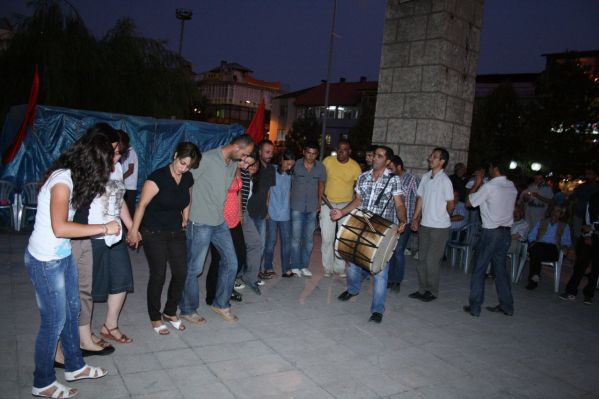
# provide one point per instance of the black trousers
(162, 248)
(585, 254)
(212, 277)
(541, 252)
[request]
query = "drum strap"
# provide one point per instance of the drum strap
(378, 199)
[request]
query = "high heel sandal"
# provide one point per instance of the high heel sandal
(123, 339)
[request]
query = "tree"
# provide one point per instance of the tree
(123, 72)
(306, 128)
(360, 135)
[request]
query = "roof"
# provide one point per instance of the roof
(342, 93)
(231, 65)
(249, 79)
(294, 94)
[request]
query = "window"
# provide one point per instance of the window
(281, 135)
(327, 138)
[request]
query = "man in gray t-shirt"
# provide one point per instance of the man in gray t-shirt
(307, 186)
(212, 180)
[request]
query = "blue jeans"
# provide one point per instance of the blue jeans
(284, 229)
(492, 247)
(199, 237)
(57, 296)
(302, 226)
(261, 227)
(397, 263)
(355, 276)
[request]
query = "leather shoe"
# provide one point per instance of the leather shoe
(105, 351)
(376, 317)
(415, 295)
(427, 297)
(345, 296)
(236, 296)
(468, 309)
(532, 285)
(254, 287)
(498, 309)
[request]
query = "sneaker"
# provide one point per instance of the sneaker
(239, 285)
(326, 274)
(407, 252)
(224, 313)
(416, 295)
(260, 283)
(416, 256)
(532, 285)
(342, 275)
(567, 297)
(306, 272)
(297, 272)
(588, 300)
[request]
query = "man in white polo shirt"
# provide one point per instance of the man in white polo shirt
(496, 199)
(431, 219)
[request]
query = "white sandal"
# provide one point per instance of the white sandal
(177, 324)
(60, 391)
(162, 330)
(94, 372)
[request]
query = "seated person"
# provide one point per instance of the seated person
(547, 238)
(459, 216)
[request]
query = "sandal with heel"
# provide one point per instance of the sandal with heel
(177, 324)
(123, 339)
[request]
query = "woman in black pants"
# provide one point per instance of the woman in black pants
(163, 212)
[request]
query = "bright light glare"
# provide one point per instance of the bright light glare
(513, 165)
(535, 166)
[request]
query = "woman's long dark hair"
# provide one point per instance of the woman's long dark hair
(286, 155)
(90, 163)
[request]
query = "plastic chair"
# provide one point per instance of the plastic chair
(28, 202)
(557, 270)
(518, 259)
(7, 200)
(462, 242)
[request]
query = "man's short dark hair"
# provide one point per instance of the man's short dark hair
(312, 144)
(397, 161)
(501, 165)
(388, 151)
(371, 148)
(262, 143)
(243, 141)
(444, 155)
(343, 141)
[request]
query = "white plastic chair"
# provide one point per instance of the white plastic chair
(28, 202)
(8, 200)
(469, 235)
(557, 270)
(517, 259)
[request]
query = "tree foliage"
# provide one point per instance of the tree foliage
(360, 135)
(122, 72)
(306, 128)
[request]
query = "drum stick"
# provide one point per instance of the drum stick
(327, 202)
(367, 220)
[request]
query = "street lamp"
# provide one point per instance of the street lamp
(513, 165)
(183, 14)
(535, 166)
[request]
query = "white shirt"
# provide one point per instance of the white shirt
(520, 227)
(131, 158)
(107, 207)
(435, 193)
(496, 200)
(43, 244)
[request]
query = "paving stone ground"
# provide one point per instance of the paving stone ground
(298, 341)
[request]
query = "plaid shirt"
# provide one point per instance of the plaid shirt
(369, 191)
(409, 185)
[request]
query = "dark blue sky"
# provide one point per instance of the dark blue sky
(287, 40)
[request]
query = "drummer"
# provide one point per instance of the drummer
(379, 192)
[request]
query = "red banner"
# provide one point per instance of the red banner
(11, 152)
(256, 128)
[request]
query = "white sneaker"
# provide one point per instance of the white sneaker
(326, 274)
(306, 272)
(407, 252)
(416, 256)
(297, 272)
(239, 285)
(260, 282)
(342, 275)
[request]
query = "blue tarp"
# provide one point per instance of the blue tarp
(55, 129)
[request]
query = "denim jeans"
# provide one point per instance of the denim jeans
(57, 296)
(355, 276)
(492, 247)
(397, 263)
(199, 237)
(302, 232)
(261, 228)
(284, 230)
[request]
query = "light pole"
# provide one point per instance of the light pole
(328, 84)
(184, 14)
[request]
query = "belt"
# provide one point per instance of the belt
(504, 228)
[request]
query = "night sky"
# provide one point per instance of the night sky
(287, 40)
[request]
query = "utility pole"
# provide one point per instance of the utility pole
(328, 83)
(182, 14)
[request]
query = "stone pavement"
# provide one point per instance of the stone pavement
(298, 341)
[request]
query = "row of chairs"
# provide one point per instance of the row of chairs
(463, 242)
(18, 202)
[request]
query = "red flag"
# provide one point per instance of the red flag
(29, 117)
(256, 128)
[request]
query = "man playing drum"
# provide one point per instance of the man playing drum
(379, 192)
